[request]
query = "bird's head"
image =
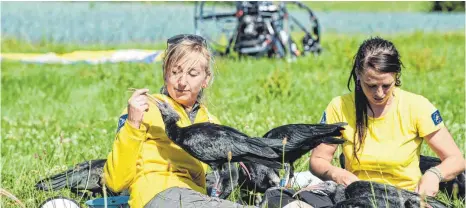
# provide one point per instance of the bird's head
(169, 114)
(328, 187)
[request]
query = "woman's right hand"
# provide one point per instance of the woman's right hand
(137, 105)
(344, 177)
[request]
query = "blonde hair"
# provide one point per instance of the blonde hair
(190, 51)
(187, 49)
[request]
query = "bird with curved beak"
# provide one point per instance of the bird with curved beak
(210, 143)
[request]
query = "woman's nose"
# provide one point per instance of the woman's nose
(182, 79)
(379, 92)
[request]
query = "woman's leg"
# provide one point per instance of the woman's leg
(176, 197)
(273, 195)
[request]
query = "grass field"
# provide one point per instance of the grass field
(80, 104)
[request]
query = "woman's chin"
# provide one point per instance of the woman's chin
(378, 102)
(182, 98)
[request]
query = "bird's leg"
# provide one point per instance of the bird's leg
(217, 181)
(258, 199)
(286, 176)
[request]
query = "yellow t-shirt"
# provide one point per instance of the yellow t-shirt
(390, 152)
(147, 162)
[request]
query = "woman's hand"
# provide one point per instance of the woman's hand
(137, 105)
(342, 176)
(428, 185)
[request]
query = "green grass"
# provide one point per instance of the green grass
(82, 102)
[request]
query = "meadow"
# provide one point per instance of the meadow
(55, 116)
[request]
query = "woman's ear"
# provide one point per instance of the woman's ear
(206, 81)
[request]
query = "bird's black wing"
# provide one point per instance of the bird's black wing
(370, 201)
(299, 132)
(83, 176)
(208, 142)
(426, 162)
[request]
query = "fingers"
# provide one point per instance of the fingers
(140, 92)
(421, 191)
(137, 105)
(349, 178)
(139, 99)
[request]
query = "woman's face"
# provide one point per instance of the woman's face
(186, 78)
(377, 86)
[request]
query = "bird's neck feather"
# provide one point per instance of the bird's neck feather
(171, 128)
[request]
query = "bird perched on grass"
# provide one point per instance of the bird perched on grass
(211, 143)
(86, 176)
(383, 194)
(300, 139)
(426, 162)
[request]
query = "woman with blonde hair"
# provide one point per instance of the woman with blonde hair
(157, 172)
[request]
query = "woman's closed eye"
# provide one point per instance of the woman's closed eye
(193, 73)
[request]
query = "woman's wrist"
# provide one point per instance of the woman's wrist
(435, 171)
(332, 173)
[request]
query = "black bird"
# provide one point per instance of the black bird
(86, 176)
(367, 188)
(383, 193)
(371, 201)
(426, 162)
(301, 138)
(212, 143)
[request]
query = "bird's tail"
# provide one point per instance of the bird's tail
(256, 146)
(70, 178)
(264, 161)
(329, 129)
(56, 182)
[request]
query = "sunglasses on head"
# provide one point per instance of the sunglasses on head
(178, 38)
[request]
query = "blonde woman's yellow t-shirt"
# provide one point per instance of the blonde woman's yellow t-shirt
(146, 162)
(390, 152)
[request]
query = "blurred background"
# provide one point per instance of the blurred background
(55, 114)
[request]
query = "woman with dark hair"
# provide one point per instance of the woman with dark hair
(386, 127)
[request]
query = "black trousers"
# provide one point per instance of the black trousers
(272, 198)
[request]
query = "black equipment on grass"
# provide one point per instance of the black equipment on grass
(257, 28)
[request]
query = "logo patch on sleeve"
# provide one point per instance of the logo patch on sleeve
(436, 118)
(121, 121)
(323, 120)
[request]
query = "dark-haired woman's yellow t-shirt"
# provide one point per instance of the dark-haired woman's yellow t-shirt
(390, 152)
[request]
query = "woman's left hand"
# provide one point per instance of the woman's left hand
(428, 185)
